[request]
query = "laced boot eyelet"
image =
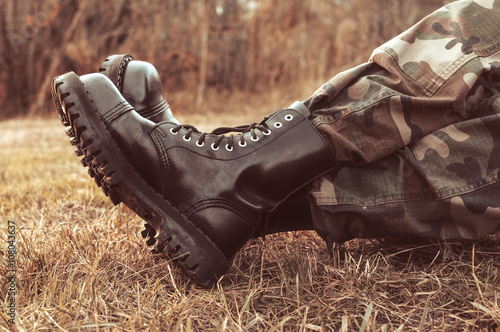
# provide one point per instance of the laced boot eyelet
(229, 148)
(173, 132)
(213, 147)
(255, 139)
(288, 117)
(267, 132)
(187, 139)
(242, 144)
(198, 144)
(278, 125)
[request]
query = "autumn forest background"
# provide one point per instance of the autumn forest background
(81, 262)
(205, 50)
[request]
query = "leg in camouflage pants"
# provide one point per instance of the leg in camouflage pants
(417, 130)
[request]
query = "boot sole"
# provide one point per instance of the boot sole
(177, 237)
(114, 68)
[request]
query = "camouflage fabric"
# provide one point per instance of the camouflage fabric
(416, 132)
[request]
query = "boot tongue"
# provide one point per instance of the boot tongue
(298, 106)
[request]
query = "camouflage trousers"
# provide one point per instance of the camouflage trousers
(416, 133)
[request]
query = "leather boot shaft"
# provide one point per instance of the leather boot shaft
(224, 184)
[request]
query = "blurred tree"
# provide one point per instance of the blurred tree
(225, 45)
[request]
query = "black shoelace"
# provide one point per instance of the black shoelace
(220, 132)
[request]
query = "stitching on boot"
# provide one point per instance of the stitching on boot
(116, 111)
(222, 203)
(166, 171)
(153, 111)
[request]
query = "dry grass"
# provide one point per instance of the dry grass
(82, 265)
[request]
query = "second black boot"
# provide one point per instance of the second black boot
(204, 193)
(140, 84)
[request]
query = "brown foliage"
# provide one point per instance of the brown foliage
(226, 45)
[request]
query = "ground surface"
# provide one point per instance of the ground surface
(81, 264)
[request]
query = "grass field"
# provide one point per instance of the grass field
(83, 265)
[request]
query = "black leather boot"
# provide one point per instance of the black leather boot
(204, 194)
(140, 84)
(293, 214)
